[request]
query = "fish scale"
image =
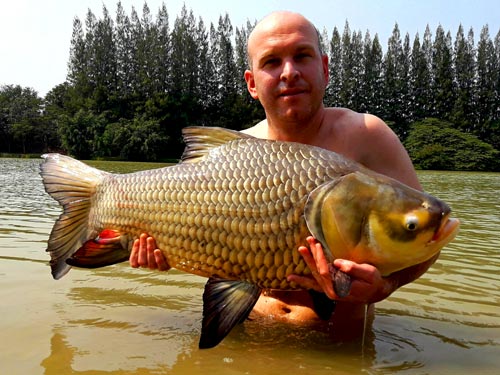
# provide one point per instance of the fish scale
(210, 223)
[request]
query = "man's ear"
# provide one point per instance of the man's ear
(251, 84)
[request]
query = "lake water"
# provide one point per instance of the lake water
(119, 320)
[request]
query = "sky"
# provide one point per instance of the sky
(35, 35)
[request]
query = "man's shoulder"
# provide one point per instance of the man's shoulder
(357, 135)
(352, 122)
(340, 114)
(259, 130)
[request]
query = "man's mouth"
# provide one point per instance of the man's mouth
(291, 92)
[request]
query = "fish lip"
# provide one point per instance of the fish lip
(446, 231)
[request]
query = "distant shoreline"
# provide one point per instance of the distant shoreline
(14, 155)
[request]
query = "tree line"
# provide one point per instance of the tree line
(135, 80)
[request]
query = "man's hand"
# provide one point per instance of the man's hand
(368, 285)
(145, 254)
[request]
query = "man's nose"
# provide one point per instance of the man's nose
(290, 71)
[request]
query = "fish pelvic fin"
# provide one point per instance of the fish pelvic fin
(72, 184)
(323, 306)
(200, 140)
(104, 250)
(225, 304)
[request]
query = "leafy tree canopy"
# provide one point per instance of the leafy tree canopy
(136, 79)
(436, 144)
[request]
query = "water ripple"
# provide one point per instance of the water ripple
(449, 319)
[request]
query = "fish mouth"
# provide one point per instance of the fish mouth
(446, 231)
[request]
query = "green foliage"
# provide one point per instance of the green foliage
(20, 119)
(138, 139)
(22, 132)
(435, 144)
(80, 133)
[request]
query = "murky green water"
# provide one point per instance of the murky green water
(119, 320)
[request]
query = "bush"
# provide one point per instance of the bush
(435, 144)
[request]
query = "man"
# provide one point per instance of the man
(288, 74)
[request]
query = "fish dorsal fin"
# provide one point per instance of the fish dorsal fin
(225, 304)
(200, 140)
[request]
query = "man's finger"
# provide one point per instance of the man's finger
(142, 257)
(318, 255)
(133, 254)
(308, 258)
(305, 282)
(160, 260)
(365, 272)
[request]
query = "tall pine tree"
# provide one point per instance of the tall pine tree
(124, 63)
(463, 115)
(442, 84)
(332, 95)
(373, 75)
(394, 107)
(486, 82)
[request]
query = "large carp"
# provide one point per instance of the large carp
(235, 210)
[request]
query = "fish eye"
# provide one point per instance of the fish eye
(411, 223)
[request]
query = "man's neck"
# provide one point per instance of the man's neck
(303, 132)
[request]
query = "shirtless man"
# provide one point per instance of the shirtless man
(288, 74)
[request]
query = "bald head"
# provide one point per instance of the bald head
(276, 23)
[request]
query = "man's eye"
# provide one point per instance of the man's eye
(271, 62)
(302, 56)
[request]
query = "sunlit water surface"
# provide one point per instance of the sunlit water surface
(119, 320)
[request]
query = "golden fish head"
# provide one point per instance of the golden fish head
(370, 218)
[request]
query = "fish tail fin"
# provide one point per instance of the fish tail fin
(72, 184)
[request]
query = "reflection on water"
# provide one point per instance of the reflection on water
(119, 320)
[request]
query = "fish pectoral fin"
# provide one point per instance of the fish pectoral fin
(105, 250)
(313, 213)
(225, 304)
(341, 281)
